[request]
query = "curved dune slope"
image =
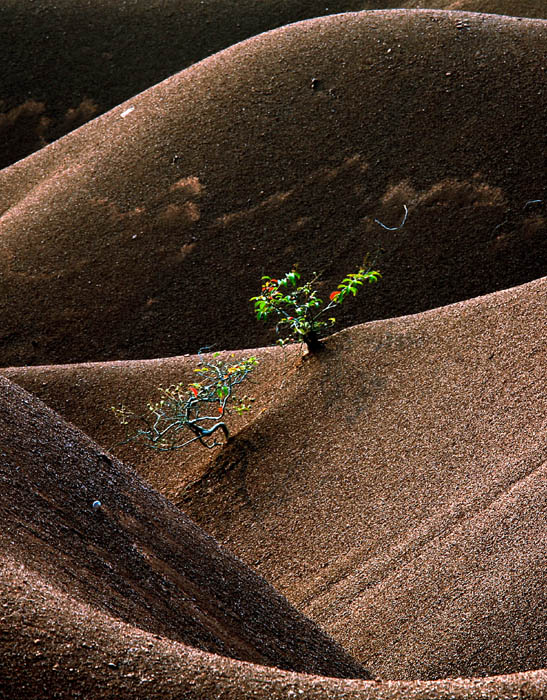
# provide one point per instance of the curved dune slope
(66, 61)
(393, 489)
(69, 649)
(398, 497)
(84, 394)
(137, 557)
(390, 492)
(534, 9)
(145, 232)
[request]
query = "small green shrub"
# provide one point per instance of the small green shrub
(299, 310)
(199, 408)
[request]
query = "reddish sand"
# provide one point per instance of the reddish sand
(382, 510)
(74, 59)
(535, 9)
(421, 452)
(136, 556)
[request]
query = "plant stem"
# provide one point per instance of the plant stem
(313, 343)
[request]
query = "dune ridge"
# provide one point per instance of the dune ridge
(455, 588)
(137, 557)
(443, 412)
(87, 57)
(66, 647)
(417, 431)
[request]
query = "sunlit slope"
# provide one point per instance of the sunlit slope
(398, 495)
(66, 61)
(144, 233)
(391, 488)
(62, 648)
(137, 557)
(518, 8)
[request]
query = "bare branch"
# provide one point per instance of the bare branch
(180, 407)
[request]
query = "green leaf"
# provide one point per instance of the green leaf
(293, 277)
(222, 392)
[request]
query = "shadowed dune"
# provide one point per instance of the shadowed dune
(144, 233)
(66, 61)
(68, 649)
(398, 495)
(137, 557)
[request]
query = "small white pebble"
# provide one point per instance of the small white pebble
(96, 505)
(126, 112)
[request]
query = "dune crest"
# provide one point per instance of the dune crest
(380, 513)
(418, 455)
(42, 98)
(396, 494)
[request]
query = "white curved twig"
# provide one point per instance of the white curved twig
(396, 228)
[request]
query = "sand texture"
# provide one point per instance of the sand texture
(377, 525)
(190, 182)
(75, 59)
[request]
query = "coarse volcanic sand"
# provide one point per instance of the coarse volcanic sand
(137, 557)
(87, 56)
(393, 488)
(382, 509)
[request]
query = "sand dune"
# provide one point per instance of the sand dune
(382, 508)
(533, 9)
(67, 649)
(403, 507)
(137, 557)
(397, 496)
(67, 61)
(144, 233)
